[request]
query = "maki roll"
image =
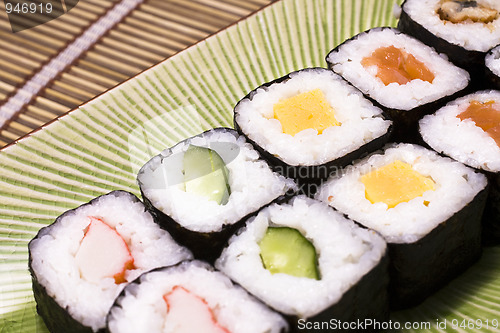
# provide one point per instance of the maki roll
(309, 123)
(406, 78)
(468, 130)
(202, 189)
(427, 207)
(81, 262)
(312, 264)
(492, 67)
(462, 29)
(190, 297)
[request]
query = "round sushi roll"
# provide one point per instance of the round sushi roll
(406, 78)
(203, 188)
(309, 262)
(468, 130)
(309, 123)
(190, 297)
(423, 205)
(81, 262)
(492, 67)
(462, 29)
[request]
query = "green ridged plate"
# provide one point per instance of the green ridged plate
(100, 146)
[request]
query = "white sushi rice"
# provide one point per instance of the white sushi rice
(360, 120)
(345, 251)
(143, 309)
(346, 61)
(53, 255)
(492, 61)
(462, 139)
(455, 186)
(252, 184)
(473, 36)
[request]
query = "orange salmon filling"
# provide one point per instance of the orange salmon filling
(486, 116)
(397, 66)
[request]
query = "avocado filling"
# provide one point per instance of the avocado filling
(206, 174)
(286, 250)
(395, 183)
(303, 111)
(457, 11)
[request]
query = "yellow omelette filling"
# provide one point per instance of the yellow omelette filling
(303, 111)
(395, 183)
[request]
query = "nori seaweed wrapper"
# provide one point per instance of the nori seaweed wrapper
(405, 122)
(492, 80)
(470, 60)
(491, 216)
(56, 318)
(310, 177)
(419, 269)
(204, 245)
(361, 308)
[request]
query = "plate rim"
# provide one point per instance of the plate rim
(118, 85)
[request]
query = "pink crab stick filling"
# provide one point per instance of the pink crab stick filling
(103, 253)
(187, 313)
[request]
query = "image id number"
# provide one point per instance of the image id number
(28, 7)
(474, 324)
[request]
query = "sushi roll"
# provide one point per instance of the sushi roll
(406, 78)
(427, 207)
(468, 130)
(462, 29)
(310, 263)
(81, 262)
(190, 297)
(310, 123)
(492, 67)
(202, 189)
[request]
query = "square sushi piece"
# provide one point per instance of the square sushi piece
(202, 189)
(191, 297)
(309, 123)
(427, 207)
(310, 263)
(403, 76)
(468, 130)
(80, 263)
(464, 30)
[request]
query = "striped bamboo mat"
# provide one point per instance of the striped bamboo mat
(50, 69)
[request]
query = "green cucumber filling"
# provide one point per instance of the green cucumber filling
(206, 174)
(286, 250)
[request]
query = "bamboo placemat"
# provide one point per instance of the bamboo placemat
(105, 42)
